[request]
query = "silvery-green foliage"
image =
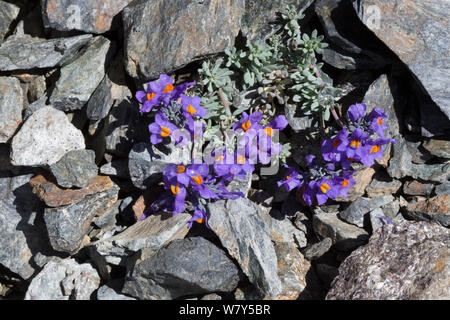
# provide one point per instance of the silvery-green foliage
(213, 76)
(285, 152)
(292, 26)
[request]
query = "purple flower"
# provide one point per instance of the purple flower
(160, 129)
(178, 90)
(373, 149)
(320, 190)
(248, 122)
(199, 174)
(354, 149)
(148, 98)
(191, 106)
(199, 216)
(163, 87)
(180, 194)
(332, 149)
(293, 179)
(176, 174)
(356, 111)
(377, 124)
(344, 182)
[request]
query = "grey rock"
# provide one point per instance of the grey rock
(37, 89)
(11, 105)
(316, 250)
(90, 16)
(415, 188)
(280, 228)
(33, 107)
(23, 52)
(211, 296)
(108, 218)
(81, 77)
(161, 37)
(152, 233)
(382, 185)
(44, 138)
(241, 185)
(68, 225)
(345, 236)
(438, 148)
(402, 261)
(417, 33)
(184, 267)
(443, 189)
(146, 162)
(377, 219)
(391, 209)
(117, 168)
(357, 213)
(110, 291)
(22, 232)
(297, 120)
(256, 22)
(64, 280)
(433, 209)
(8, 13)
(243, 234)
(75, 168)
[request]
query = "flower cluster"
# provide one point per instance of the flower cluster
(332, 176)
(191, 186)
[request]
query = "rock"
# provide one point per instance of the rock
(89, 16)
(184, 267)
(391, 209)
(8, 13)
(110, 291)
(443, 189)
(243, 234)
(418, 153)
(161, 37)
(357, 213)
(44, 138)
(433, 209)
(297, 120)
(415, 188)
(241, 185)
(280, 228)
(64, 280)
(67, 226)
(152, 233)
(11, 105)
(76, 168)
(211, 296)
(259, 16)
(37, 89)
(363, 177)
(33, 107)
(382, 185)
(23, 52)
(417, 33)
(438, 148)
(292, 270)
(108, 219)
(317, 250)
(147, 162)
(402, 261)
(377, 219)
(346, 236)
(116, 168)
(80, 78)
(54, 196)
(22, 232)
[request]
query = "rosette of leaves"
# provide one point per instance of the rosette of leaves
(291, 18)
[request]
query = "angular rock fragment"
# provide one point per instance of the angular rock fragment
(438, 148)
(243, 234)
(44, 138)
(67, 226)
(163, 36)
(11, 105)
(75, 169)
(117, 168)
(358, 212)
(382, 185)
(90, 16)
(415, 188)
(81, 77)
(443, 189)
(25, 52)
(363, 177)
(8, 13)
(109, 291)
(64, 280)
(318, 249)
(184, 267)
(402, 261)
(434, 209)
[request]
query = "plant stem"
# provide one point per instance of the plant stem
(336, 117)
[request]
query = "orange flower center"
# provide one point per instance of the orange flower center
(181, 169)
(199, 220)
(198, 179)
(219, 158)
(288, 177)
(345, 183)
(269, 131)
(374, 149)
(324, 187)
(380, 121)
(165, 132)
(150, 96)
(355, 144)
(246, 125)
(240, 159)
(175, 189)
(168, 88)
(336, 143)
(191, 109)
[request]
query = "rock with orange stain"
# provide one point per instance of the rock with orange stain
(434, 209)
(91, 16)
(402, 261)
(162, 36)
(11, 105)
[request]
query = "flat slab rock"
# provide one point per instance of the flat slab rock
(162, 36)
(64, 280)
(11, 105)
(243, 234)
(44, 138)
(402, 261)
(22, 52)
(184, 267)
(8, 13)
